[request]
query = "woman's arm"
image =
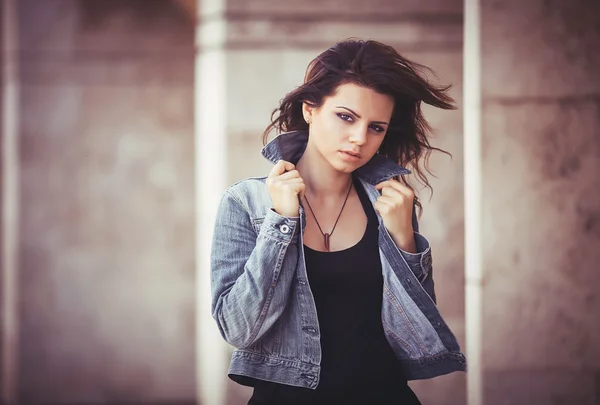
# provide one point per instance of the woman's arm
(249, 288)
(420, 262)
(396, 207)
(418, 258)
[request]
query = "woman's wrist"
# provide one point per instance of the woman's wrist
(405, 241)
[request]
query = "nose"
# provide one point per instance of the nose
(358, 136)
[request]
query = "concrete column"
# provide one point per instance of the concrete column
(9, 202)
(254, 53)
(541, 201)
(211, 170)
(473, 182)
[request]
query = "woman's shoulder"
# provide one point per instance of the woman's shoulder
(248, 186)
(251, 193)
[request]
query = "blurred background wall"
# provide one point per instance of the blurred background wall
(541, 196)
(108, 302)
(106, 275)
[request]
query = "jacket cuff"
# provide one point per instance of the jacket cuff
(280, 228)
(420, 262)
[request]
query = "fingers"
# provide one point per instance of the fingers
(290, 184)
(392, 192)
(395, 184)
(294, 184)
(281, 167)
(300, 187)
(383, 205)
(281, 173)
(395, 188)
(293, 174)
(285, 186)
(386, 204)
(282, 179)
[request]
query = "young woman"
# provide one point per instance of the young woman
(320, 279)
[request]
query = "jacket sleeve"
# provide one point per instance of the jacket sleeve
(249, 289)
(420, 262)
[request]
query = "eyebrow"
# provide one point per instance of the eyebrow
(359, 117)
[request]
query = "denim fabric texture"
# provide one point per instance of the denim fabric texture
(261, 298)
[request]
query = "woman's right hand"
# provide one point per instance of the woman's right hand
(285, 186)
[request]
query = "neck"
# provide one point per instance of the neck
(322, 181)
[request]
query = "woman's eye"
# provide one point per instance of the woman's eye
(345, 117)
(377, 128)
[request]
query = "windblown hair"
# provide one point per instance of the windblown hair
(381, 68)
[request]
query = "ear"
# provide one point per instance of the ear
(307, 112)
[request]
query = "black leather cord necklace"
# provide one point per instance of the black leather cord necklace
(326, 236)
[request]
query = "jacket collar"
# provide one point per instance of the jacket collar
(290, 146)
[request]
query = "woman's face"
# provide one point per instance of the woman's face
(349, 127)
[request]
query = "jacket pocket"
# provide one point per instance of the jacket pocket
(270, 343)
(407, 329)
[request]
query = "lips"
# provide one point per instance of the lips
(353, 154)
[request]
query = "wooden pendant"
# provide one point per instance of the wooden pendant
(326, 236)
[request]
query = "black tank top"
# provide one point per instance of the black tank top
(358, 365)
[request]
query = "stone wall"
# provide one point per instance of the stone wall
(107, 278)
(541, 149)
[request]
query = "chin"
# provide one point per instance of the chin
(345, 167)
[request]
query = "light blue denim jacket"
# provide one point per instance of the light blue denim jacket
(261, 298)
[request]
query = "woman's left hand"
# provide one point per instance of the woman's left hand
(395, 205)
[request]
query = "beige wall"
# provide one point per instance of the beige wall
(541, 89)
(107, 271)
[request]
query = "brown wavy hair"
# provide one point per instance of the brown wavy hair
(381, 68)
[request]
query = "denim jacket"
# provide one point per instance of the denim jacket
(262, 301)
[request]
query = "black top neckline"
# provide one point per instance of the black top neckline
(371, 220)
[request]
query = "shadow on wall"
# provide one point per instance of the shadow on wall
(95, 13)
